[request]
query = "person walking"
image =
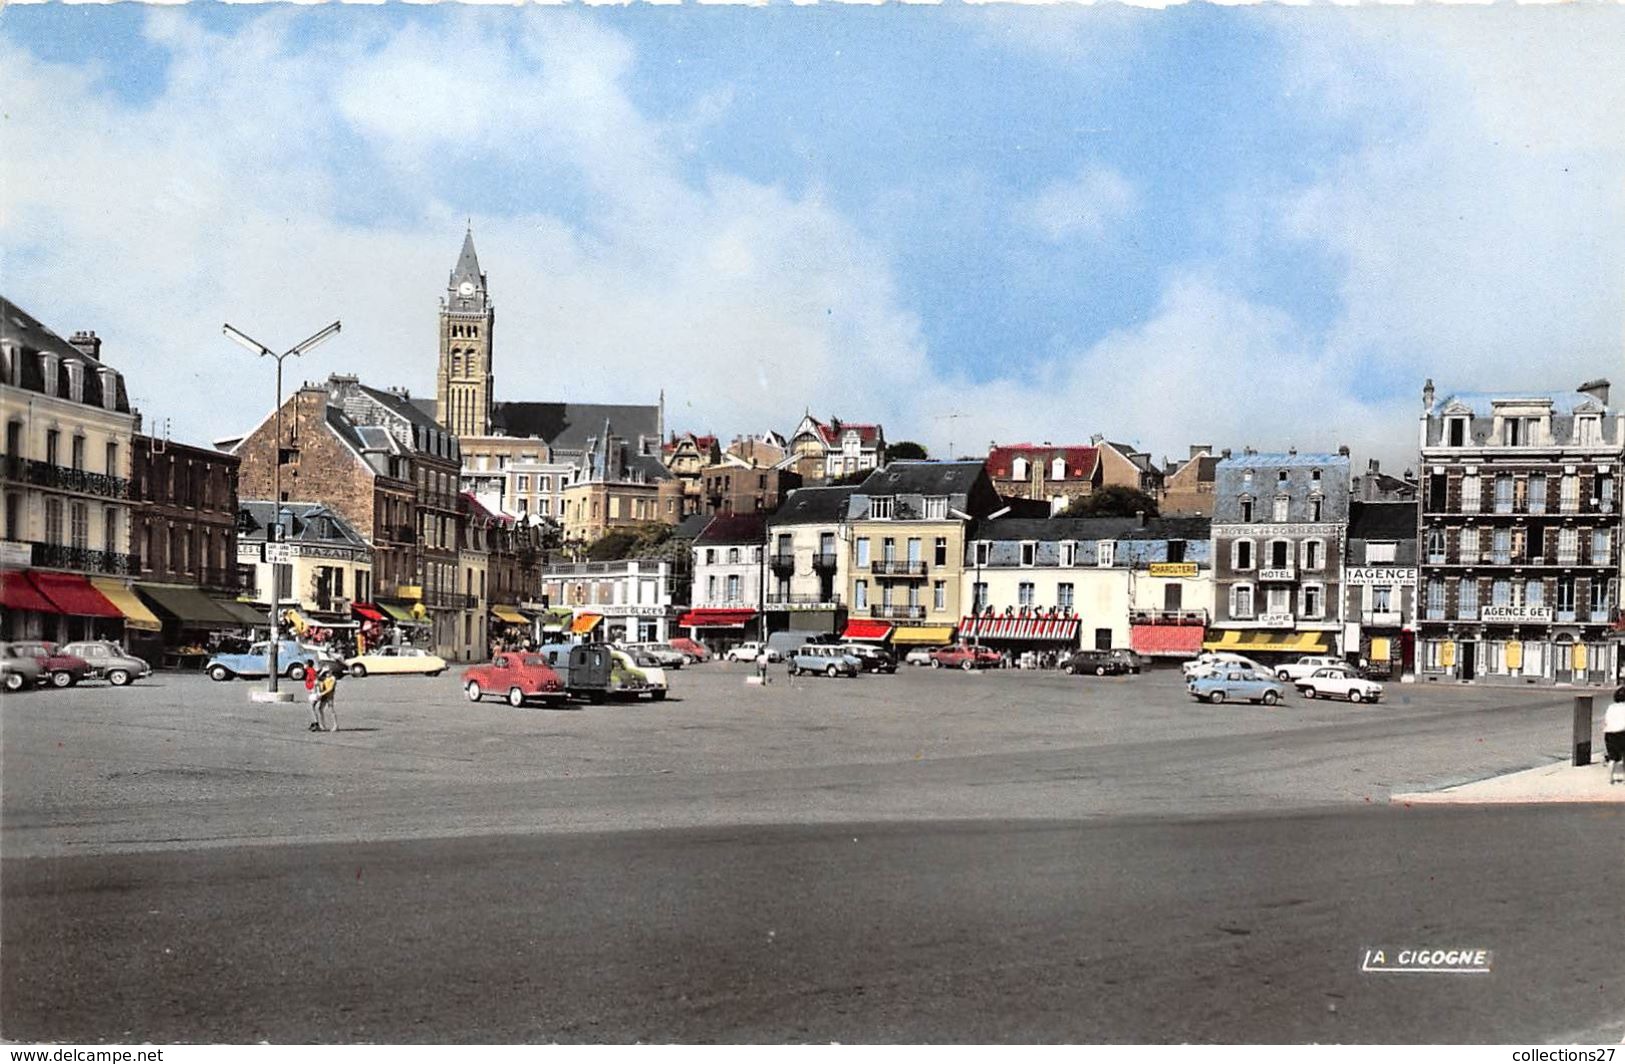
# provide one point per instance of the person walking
(313, 697)
(762, 662)
(1613, 737)
(326, 705)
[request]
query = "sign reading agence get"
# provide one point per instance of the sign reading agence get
(1173, 568)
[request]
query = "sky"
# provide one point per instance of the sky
(1220, 225)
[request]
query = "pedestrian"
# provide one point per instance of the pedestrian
(1613, 737)
(313, 697)
(326, 705)
(762, 662)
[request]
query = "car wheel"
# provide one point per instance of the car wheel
(220, 674)
(472, 690)
(516, 697)
(1354, 696)
(1216, 697)
(967, 665)
(935, 664)
(1270, 698)
(118, 677)
(832, 672)
(1100, 670)
(15, 681)
(358, 670)
(658, 696)
(1307, 692)
(61, 679)
(1282, 674)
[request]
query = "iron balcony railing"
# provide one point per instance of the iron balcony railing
(81, 559)
(897, 568)
(782, 561)
(1165, 616)
(898, 613)
(804, 600)
(825, 561)
(1382, 618)
(46, 475)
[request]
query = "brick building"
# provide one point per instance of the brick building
(184, 529)
(1056, 475)
(615, 485)
(1187, 487)
(734, 486)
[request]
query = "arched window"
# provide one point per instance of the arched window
(1057, 469)
(457, 363)
(1018, 469)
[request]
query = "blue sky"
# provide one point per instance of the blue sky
(1225, 225)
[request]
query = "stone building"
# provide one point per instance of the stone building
(185, 526)
(1127, 466)
(1279, 523)
(615, 485)
(729, 578)
(331, 568)
(1187, 487)
(809, 540)
(1057, 475)
(1519, 534)
(621, 601)
(686, 457)
(820, 452)
(734, 486)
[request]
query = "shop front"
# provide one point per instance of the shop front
(720, 630)
(194, 625)
(1268, 646)
(1016, 633)
(77, 609)
(906, 637)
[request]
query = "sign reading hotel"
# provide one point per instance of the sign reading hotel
(1538, 614)
(1379, 576)
(1173, 569)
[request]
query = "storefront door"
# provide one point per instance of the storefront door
(1468, 657)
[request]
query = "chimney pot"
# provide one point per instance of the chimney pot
(1343, 449)
(87, 343)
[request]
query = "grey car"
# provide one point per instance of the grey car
(109, 661)
(19, 670)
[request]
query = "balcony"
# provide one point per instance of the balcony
(1382, 618)
(825, 562)
(892, 567)
(51, 556)
(897, 613)
(782, 563)
(803, 602)
(46, 475)
(1167, 616)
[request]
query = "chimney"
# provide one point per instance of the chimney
(1597, 389)
(1427, 396)
(1343, 449)
(87, 343)
(1291, 450)
(1371, 466)
(1225, 453)
(1139, 516)
(1199, 449)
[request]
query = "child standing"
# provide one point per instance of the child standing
(314, 697)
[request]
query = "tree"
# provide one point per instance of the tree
(850, 478)
(1113, 500)
(906, 449)
(636, 542)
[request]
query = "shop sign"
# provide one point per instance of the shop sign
(16, 555)
(1515, 614)
(1380, 576)
(1275, 620)
(631, 611)
(1180, 569)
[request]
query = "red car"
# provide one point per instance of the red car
(517, 676)
(61, 670)
(696, 652)
(964, 657)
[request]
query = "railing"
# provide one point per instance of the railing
(897, 568)
(825, 562)
(782, 561)
(51, 556)
(898, 613)
(1381, 618)
(46, 475)
(804, 600)
(1167, 617)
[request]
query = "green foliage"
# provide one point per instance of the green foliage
(850, 478)
(639, 541)
(1113, 500)
(906, 449)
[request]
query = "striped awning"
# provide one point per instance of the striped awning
(1032, 629)
(1261, 640)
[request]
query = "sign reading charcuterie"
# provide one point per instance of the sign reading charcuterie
(1173, 568)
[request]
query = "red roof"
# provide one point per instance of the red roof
(715, 618)
(72, 594)
(16, 593)
(1081, 460)
(866, 630)
(1167, 639)
(866, 433)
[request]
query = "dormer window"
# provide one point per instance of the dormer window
(936, 508)
(1456, 432)
(1057, 469)
(880, 508)
(1588, 429)
(1283, 503)
(1029, 554)
(76, 382)
(1018, 468)
(50, 367)
(1246, 509)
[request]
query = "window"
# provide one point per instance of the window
(14, 517)
(940, 554)
(1018, 468)
(733, 555)
(1057, 469)
(1313, 597)
(1246, 509)
(1472, 495)
(1501, 546)
(1605, 493)
(524, 482)
(1241, 600)
(1601, 545)
(733, 587)
(1029, 554)
(1065, 597)
(913, 548)
(1467, 600)
(1283, 504)
(1565, 598)
(863, 553)
(1380, 553)
(913, 595)
(53, 447)
(1024, 593)
(1500, 592)
(1602, 597)
(939, 595)
(1069, 554)
(710, 556)
(984, 552)
(1503, 494)
(81, 526)
(78, 452)
(1537, 493)
(888, 549)
(1568, 546)
(1435, 599)
(1588, 429)
(1105, 554)
(978, 598)
(860, 594)
(1456, 432)
(1241, 554)
(880, 509)
(936, 508)
(1534, 593)
(1314, 554)
(1317, 506)
(1438, 492)
(1569, 497)
(1382, 597)
(53, 522)
(1280, 553)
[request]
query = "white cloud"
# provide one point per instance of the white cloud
(1084, 206)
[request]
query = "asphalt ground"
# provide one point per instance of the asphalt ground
(929, 856)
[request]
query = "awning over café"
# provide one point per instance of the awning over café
(136, 614)
(247, 616)
(72, 594)
(16, 593)
(715, 618)
(1154, 640)
(925, 635)
(508, 615)
(1255, 640)
(366, 611)
(585, 623)
(1032, 629)
(191, 607)
(872, 631)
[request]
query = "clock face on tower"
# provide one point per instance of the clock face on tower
(466, 289)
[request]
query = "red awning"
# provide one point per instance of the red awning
(366, 611)
(1184, 640)
(18, 594)
(715, 618)
(873, 630)
(1031, 629)
(72, 594)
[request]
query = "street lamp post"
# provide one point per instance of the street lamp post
(239, 337)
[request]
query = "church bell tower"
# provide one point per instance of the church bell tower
(464, 384)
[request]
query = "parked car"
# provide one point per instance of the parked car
(19, 670)
(1208, 664)
(632, 674)
(585, 668)
(748, 652)
(829, 660)
(61, 670)
(292, 660)
(1098, 662)
(964, 657)
(1235, 685)
(395, 661)
(918, 656)
(108, 661)
(1297, 670)
(696, 652)
(1339, 682)
(515, 676)
(1132, 662)
(667, 655)
(874, 659)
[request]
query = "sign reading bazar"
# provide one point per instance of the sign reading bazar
(1173, 568)
(1541, 614)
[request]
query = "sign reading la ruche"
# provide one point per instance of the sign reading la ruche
(1537, 614)
(1379, 576)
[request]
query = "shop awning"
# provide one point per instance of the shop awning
(366, 611)
(136, 614)
(72, 594)
(925, 635)
(716, 618)
(191, 607)
(246, 615)
(585, 623)
(508, 615)
(874, 631)
(18, 594)
(1166, 640)
(398, 613)
(1030, 629)
(1244, 640)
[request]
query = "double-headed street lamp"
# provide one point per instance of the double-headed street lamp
(239, 337)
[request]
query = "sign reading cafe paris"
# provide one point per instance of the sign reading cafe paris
(1379, 576)
(1537, 614)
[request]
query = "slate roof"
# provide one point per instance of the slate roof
(1284, 459)
(1186, 528)
(24, 333)
(922, 478)
(568, 426)
(813, 506)
(312, 523)
(1054, 528)
(1383, 520)
(1081, 459)
(404, 406)
(734, 528)
(1481, 403)
(1133, 454)
(468, 263)
(691, 526)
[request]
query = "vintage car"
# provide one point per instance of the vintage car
(1338, 682)
(1297, 670)
(1095, 662)
(874, 659)
(918, 656)
(586, 668)
(1236, 684)
(748, 652)
(61, 670)
(667, 655)
(1210, 663)
(633, 674)
(823, 658)
(695, 652)
(964, 657)
(1131, 660)
(392, 661)
(108, 661)
(292, 661)
(19, 670)
(516, 676)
